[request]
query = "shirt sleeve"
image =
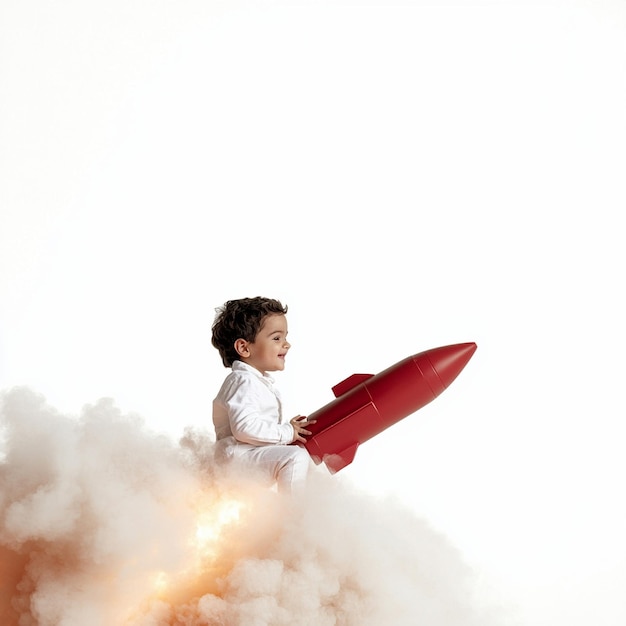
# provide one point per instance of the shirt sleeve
(253, 413)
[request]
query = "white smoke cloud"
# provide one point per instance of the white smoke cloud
(103, 522)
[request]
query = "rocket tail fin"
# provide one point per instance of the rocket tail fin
(336, 462)
(350, 383)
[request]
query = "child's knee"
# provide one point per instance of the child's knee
(300, 456)
(293, 474)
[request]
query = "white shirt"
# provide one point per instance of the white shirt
(248, 408)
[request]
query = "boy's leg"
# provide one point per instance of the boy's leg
(287, 465)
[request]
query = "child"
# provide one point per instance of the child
(251, 336)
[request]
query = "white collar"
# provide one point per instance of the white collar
(244, 367)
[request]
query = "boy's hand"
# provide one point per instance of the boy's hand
(299, 424)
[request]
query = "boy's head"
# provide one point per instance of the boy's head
(241, 319)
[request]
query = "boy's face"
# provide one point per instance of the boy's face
(268, 350)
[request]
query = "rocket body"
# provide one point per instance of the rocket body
(367, 404)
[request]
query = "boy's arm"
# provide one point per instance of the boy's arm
(253, 416)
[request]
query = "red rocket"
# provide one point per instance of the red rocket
(365, 404)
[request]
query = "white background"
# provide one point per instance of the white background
(403, 177)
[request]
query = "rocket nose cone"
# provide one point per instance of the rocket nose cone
(449, 361)
(466, 349)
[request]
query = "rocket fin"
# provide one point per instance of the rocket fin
(350, 383)
(336, 462)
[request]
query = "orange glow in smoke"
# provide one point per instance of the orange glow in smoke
(206, 555)
(212, 521)
(204, 546)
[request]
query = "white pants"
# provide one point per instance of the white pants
(288, 466)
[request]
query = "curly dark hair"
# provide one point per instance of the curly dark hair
(241, 319)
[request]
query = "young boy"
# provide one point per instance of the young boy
(251, 336)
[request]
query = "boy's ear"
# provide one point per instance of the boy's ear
(241, 347)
